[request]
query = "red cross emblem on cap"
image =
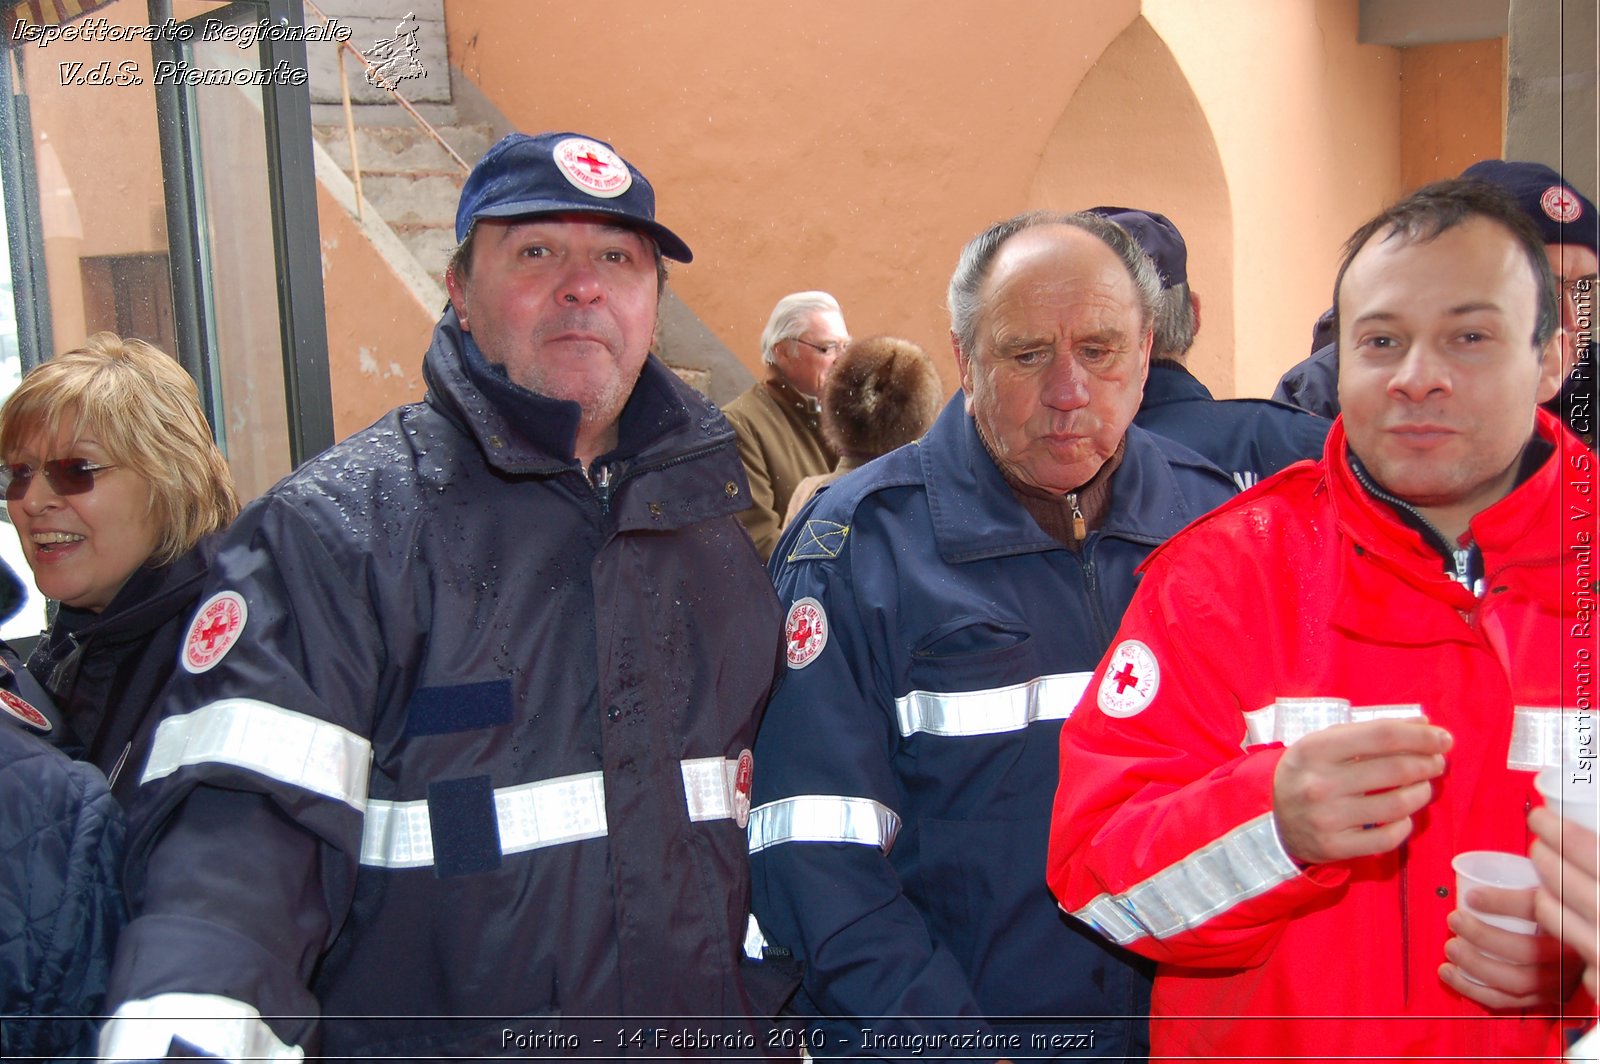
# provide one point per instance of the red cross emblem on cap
(214, 630)
(1561, 204)
(592, 167)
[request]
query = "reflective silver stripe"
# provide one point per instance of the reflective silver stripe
(823, 818)
(1001, 709)
(1289, 720)
(1543, 737)
(279, 743)
(531, 816)
(232, 1030)
(708, 787)
(1247, 861)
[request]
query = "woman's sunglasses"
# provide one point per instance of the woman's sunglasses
(66, 476)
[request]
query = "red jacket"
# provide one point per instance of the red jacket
(1292, 605)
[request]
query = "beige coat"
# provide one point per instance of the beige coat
(781, 444)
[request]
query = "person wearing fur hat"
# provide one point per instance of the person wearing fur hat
(882, 393)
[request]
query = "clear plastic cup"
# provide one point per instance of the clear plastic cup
(1491, 868)
(1571, 793)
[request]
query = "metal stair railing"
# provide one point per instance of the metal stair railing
(349, 115)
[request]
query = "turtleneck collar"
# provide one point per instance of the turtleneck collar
(1067, 517)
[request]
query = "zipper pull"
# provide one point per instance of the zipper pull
(1080, 528)
(602, 487)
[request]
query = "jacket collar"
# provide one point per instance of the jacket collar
(1524, 528)
(976, 516)
(1171, 382)
(152, 596)
(522, 432)
(1525, 523)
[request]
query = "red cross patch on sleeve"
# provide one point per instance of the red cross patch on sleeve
(20, 708)
(805, 632)
(214, 630)
(1130, 681)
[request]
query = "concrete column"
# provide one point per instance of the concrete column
(1551, 76)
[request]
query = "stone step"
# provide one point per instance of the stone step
(413, 198)
(404, 147)
(431, 245)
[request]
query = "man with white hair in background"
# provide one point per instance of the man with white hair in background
(778, 421)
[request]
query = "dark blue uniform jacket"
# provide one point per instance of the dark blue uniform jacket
(936, 639)
(1249, 439)
(465, 782)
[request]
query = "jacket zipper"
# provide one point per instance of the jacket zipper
(1080, 528)
(601, 482)
(1460, 559)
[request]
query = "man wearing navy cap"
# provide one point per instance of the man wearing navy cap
(458, 762)
(1246, 438)
(1570, 226)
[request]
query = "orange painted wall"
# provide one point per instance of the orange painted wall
(856, 147)
(1452, 108)
(803, 143)
(1307, 128)
(376, 331)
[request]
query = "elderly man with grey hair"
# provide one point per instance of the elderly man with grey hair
(946, 605)
(778, 421)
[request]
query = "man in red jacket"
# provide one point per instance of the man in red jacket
(1332, 685)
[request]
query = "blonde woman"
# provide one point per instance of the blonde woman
(112, 481)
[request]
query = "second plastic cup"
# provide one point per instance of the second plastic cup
(1572, 795)
(1491, 868)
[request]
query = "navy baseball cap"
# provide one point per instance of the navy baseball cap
(1158, 237)
(1561, 213)
(561, 173)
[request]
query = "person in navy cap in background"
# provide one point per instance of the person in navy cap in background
(1567, 221)
(458, 760)
(1248, 439)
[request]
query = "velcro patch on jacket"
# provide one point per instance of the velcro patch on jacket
(457, 708)
(819, 539)
(466, 830)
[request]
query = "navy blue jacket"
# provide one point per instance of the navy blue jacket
(470, 769)
(936, 639)
(1249, 439)
(1313, 384)
(61, 837)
